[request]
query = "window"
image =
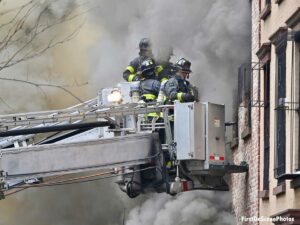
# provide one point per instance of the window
(235, 128)
(266, 70)
(292, 22)
(244, 96)
(297, 51)
(235, 119)
(264, 55)
(279, 39)
(244, 84)
(280, 114)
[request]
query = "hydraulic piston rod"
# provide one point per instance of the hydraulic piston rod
(47, 129)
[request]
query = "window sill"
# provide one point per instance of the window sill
(264, 195)
(246, 133)
(265, 12)
(294, 19)
(287, 213)
(280, 189)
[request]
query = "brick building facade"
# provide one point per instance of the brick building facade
(268, 116)
(245, 186)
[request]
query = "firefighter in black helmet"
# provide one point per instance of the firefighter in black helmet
(149, 85)
(132, 71)
(177, 87)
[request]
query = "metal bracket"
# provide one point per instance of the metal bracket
(231, 168)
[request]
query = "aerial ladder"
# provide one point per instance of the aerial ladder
(181, 149)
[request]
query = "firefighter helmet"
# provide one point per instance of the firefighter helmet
(145, 44)
(183, 64)
(148, 68)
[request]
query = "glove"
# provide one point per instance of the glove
(136, 78)
(195, 92)
(187, 97)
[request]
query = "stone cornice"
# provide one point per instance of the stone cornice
(294, 19)
(264, 52)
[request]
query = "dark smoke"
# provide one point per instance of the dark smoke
(213, 34)
(93, 203)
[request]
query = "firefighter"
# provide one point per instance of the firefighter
(177, 87)
(149, 88)
(149, 85)
(132, 71)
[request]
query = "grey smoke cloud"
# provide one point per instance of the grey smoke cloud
(192, 208)
(93, 203)
(213, 34)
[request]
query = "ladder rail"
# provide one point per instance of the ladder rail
(94, 114)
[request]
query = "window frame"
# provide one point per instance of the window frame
(280, 147)
(244, 91)
(267, 112)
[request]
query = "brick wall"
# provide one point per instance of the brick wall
(245, 187)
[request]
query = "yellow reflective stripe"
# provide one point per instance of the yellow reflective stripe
(164, 79)
(131, 77)
(153, 114)
(149, 96)
(169, 164)
(171, 118)
(130, 68)
(159, 69)
(179, 96)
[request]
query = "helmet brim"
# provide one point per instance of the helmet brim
(184, 70)
(188, 71)
(148, 70)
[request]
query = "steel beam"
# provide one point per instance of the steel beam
(53, 159)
